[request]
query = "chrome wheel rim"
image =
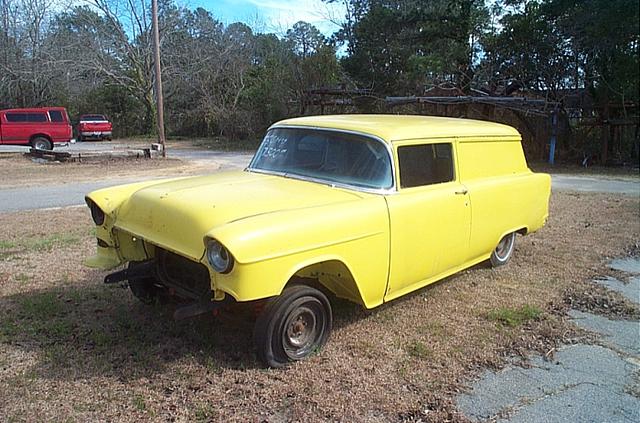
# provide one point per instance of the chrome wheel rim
(503, 250)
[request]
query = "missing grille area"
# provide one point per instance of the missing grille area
(188, 278)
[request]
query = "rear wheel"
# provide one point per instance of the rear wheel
(293, 326)
(503, 252)
(41, 143)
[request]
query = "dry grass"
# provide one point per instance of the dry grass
(19, 170)
(72, 349)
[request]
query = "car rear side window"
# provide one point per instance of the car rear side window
(36, 117)
(425, 164)
(16, 117)
(56, 116)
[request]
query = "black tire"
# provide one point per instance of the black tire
(41, 143)
(147, 290)
(503, 252)
(292, 326)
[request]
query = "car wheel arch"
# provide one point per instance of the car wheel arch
(41, 135)
(508, 238)
(521, 230)
(331, 275)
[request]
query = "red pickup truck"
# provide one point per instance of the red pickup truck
(94, 127)
(40, 128)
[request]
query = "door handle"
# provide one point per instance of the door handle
(463, 191)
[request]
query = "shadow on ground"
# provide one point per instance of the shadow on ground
(86, 329)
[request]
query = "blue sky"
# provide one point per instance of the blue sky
(273, 15)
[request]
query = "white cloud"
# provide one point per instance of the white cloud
(282, 14)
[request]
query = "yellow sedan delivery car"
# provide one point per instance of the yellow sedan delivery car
(363, 207)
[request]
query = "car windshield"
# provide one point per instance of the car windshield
(327, 156)
(92, 118)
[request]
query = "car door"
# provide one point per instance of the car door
(14, 126)
(59, 128)
(430, 216)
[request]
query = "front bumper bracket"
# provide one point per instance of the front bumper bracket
(143, 270)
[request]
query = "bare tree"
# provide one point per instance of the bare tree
(25, 66)
(122, 52)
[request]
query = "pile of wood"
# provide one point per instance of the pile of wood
(61, 156)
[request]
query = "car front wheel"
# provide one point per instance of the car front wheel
(293, 326)
(503, 252)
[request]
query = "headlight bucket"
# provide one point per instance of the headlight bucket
(96, 213)
(219, 257)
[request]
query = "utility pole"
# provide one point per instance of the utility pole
(156, 52)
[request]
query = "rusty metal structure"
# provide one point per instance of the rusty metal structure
(545, 124)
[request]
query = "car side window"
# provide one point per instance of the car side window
(425, 164)
(56, 116)
(36, 117)
(16, 117)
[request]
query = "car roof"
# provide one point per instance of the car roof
(33, 109)
(403, 127)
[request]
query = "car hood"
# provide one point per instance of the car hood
(176, 214)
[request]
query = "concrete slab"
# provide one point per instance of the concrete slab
(621, 335)
(583, 383)
(569, 406)
(629, 264)
(630, 290)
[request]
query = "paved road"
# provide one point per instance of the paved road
(595, 184)
(72, 194)
(50, 196)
